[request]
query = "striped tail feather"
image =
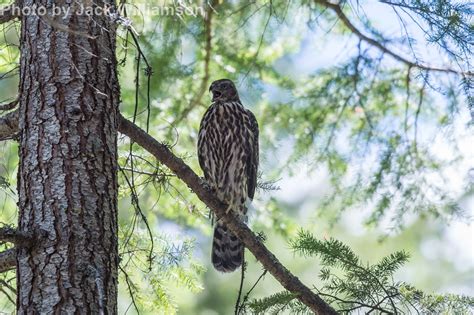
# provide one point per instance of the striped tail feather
(227, 249)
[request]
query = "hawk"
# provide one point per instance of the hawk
(228, 155)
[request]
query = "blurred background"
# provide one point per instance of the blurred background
(356, 145)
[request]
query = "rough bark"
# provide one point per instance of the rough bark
(67, 178)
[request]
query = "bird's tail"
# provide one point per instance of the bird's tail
(227, 249)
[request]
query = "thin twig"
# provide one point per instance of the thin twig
(417, 113)
(246, 297)
(148, 74)
(242, 278)
(136, 204)
(7, 295)
(131, 289)
(7, 285)
(9, 105)
(360, 304)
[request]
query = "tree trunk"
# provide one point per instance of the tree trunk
(69, 98)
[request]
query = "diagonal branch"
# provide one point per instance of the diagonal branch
(7, 13)
(251, 241)
(373, 42)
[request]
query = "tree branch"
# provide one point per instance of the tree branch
(9, 125)
(251, 241)
(12, 235)
(7, 13)
(7, 260)
(9, 105)
(373, 42)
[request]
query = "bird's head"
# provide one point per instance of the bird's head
(223, 90)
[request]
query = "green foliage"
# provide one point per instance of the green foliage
(277, 303)
(447, 21)
(437, 304)
(148, 282)
(352, 286)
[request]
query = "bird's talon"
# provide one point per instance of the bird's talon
(206, 185)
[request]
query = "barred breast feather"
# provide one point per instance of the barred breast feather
(228, 155)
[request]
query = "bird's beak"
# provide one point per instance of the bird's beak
(215, 94)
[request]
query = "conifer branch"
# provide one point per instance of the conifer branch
(336, 8)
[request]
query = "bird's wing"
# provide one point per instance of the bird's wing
(252, 162)
(201, 144)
